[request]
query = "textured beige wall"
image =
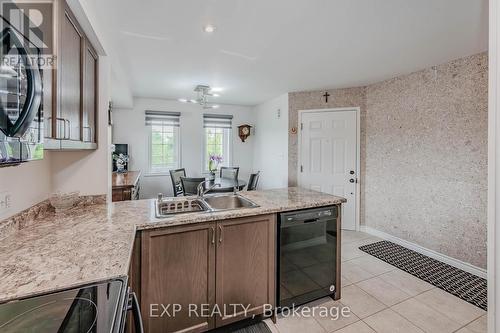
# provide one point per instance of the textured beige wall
(426, 158)
(423, 154)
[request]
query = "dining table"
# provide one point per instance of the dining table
(226, 185)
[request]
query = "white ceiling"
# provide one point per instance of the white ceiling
(263, 48)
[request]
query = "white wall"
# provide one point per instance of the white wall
(88, 171)
(271, 143)
(27, 184)
(129, 128)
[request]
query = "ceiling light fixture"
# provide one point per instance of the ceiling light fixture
(203, 92)
(209, 28)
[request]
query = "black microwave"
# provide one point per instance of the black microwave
(21, 114)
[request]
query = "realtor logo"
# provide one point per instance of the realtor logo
(31, 19)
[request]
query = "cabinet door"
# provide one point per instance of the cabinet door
(245, 266)
(134, 278)
(178, 267)
(89, 95)
(68, 122)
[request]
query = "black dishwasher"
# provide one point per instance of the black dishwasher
(308, 256)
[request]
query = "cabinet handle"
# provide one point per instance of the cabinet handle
(213, 235)
(58, 134)
(89, 129)
(220, 234)
(69, 128)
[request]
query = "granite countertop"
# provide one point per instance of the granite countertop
(94, 243)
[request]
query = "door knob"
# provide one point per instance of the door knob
(351, 180)
(352, 172)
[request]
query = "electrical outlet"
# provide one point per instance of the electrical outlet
(5, 202)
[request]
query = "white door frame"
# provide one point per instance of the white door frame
(357, 110)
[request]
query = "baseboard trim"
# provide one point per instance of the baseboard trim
(430, 253)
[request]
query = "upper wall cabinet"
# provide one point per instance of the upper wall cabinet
(74, 87)
(70, 77)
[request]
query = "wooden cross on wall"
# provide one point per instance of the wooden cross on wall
(326, 95)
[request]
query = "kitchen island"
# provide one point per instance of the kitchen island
(95, 243)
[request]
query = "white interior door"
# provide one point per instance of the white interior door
(328, 157)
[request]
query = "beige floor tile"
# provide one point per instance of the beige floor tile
(332, 321)
(425, 317)
(344, 282)
(406, 282)
(477, 326)
(388, 321)
(360, 302)
(451, 306)
(354, 273)
(383, 291)
(373, 265)
(350, 250)
(352, 236)
(367, 241)
(358, 327)
(465, 330)
(298, 324)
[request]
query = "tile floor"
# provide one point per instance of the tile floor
(384, 299)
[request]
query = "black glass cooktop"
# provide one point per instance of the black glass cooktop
(91, 309)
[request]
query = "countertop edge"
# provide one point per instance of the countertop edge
(187, 219)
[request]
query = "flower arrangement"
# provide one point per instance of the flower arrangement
(213, 162)
(121, 160)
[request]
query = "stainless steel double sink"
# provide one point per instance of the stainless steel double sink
(166, 207)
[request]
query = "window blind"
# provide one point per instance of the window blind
(217, 120)
(162, 118)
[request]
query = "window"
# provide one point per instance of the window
(164, 141)
(218, 129)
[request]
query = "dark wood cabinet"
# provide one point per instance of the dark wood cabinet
(134, 279)
(208, 264)
(71, 114)
(126, 186)
(245, 266)
(71, 42)
(177, 267)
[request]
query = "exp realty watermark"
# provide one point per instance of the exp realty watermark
(26, 32)
(228, 310)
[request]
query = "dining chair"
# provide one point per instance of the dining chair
(253, 181)
(176, 181)
(190, 185)
(229, 172)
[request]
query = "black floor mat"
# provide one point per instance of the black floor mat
(245, 326)
(259, 327)
(469, 287)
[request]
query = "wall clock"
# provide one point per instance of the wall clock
(244, 132)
